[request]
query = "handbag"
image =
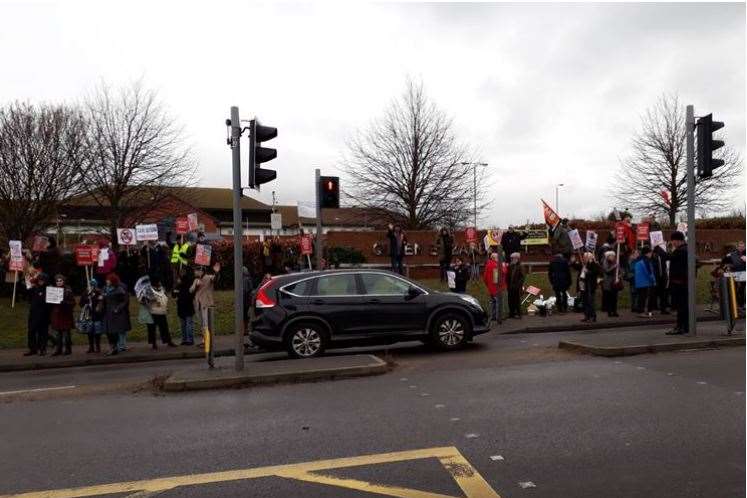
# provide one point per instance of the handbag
(84, 325)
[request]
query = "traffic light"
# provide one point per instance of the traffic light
(706, 145)
(329, 187)
(258, 154)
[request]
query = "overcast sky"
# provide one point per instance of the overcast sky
(547, 93)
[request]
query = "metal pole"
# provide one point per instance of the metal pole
(238, 257)
(690, 127)
(557, 210)
(318, 221)
(474, 192)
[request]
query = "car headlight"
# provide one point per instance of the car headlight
(471, 300)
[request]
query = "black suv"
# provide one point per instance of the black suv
(304, 313)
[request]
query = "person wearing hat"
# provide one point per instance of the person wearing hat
(92, 316)
(678, 283)
(38, 321)
(61, 317)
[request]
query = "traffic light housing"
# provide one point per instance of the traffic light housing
(257, 154)
(706, 145)
(329, 188)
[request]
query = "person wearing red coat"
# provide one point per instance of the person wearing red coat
(630, 236)
(61, 317)
(495, 281)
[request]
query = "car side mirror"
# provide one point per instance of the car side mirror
(412, 293)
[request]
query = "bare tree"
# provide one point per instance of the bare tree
(42, 160)
(657, 163)
(409, 164)
(136, 152)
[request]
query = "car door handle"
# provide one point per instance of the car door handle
(374, 301)
(317, 301)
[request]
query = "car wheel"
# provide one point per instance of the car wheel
(305, 340)
(450, 331)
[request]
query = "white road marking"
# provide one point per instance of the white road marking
(471, 435)
(739, 393)
(413, 387)
(535, 344)
(454, 419)
(700, 382)
(403, 379)
(670, 374)
(424, 394)
(497, 458)
(618, 363)
(37, 390)
(527, 484)
(596, 376)
(641, 368)
(440, 406)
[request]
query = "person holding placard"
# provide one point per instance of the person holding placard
(92, 316)
(660, 293)
(515, 285)
(106, 263)
(610, 273)
(202, 287)
(587, 281)
(158, 308)
(38, 320)
(61, 317)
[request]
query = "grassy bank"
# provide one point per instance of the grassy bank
(13, 321)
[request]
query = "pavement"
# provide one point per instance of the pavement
(510, 416)
(270, 372)
(139, 352)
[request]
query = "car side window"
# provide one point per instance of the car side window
(336, 285)
(302, 288)
(376, 283)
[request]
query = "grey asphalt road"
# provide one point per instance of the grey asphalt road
(666, 425)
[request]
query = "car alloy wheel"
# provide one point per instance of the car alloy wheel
(451, 332)
(306, 342)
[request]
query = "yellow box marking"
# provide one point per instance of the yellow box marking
(466, 477)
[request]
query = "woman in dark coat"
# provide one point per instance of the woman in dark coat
(61, 318)
(559, 274)
(587, 282)
(116, 313)
(38, 321)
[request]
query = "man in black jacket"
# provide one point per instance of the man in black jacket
(511, 241)
(559, 274)
(678, 283)
(38, 321)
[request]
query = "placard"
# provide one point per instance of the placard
(306, 245)
(591, 240)
(83, 255)
(551, 217)
(620, 232)
(55, 295)
(641, 231)
(16, 264)
(126, 236)
(535, 291)
(192, 222)
(470, 235)
(16, 251)
(102, 256)
(451, 279)
(657, 239)
(146, 232)
(40, 243)
(276, 221)
(182, 226)
(536, 237)
(575, 239)
(202, 254)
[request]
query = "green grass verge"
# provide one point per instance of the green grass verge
(13, 321)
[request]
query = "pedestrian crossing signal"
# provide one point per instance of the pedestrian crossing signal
(330, 191)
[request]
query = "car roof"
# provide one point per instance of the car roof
(290, 277)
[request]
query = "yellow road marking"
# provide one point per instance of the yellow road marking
(466, 477)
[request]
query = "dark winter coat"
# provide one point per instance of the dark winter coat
(735, 260)
(185, 299)
(445, 244)
(593, 272)
(609, 268)
(38, 307)
(515, 277)
(116, 310)
(560, 241)
(61, 316)
(559, 273)
(461, 277)
(396, 247)
(678, 267)
(659, 262)
(511, 241)
(95, 299)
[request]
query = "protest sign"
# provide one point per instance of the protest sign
(126, 236)
(536, 237)
(146, 232)
(276, 221)
(40, 243)
(641, 231)
(16, 251)
(591, 240)
(575, 239)
(16, 264)
(306, 245)
(470, 235)
(182, 226)
(451, 279)
(535, 291)
(55, 295)
(202, 254)
(103, 255)
(551, 217)
(620, 232)
(192, 222)
(83, 255)
(657, 239)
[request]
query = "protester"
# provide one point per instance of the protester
(158, 308)
(185, 305)
(630, 278)
(628, 233)
(91, 320)
(559, 274)
(38, 320)
(678, 283)
(660, 261)
(590, 272)
(495, 281)
(715, 284)
(608, 245)
(643, 274)
(515, 286)
(397, 243)
(445, 245)
(511, 241)
(560, 241)
(202, 287)
(116, 313)
(610, 283)
(61, 318)
(461, 275)
(107, 260)
(50, 260)
(737, 264)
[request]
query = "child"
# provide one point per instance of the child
(158, 307)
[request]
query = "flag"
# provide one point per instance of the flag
(665, 195)
(551, 217)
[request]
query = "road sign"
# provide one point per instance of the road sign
(276, 221)
(146, 232)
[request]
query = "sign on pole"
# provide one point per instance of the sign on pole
(575, 239)
(126, 236)
(641, 231)
(83, 255)
(620, 232)
(306, 245)
(182, 226)
(203, 254)
(16, 264)
(192, 222)
(276, 221)
(16, 251)
(591, 240)
(470, 234)
(657, 239)
(146, 232)
(536, 237)
(551, 217)
(54, 295)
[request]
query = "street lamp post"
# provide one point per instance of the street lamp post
(557, 209)
(474, 187)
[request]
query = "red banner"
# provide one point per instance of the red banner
(182, 226)
(16, 264)
(551, 217)
(306, 245)
(641, 231)
(470, 234)
(84, 255)
(620, 232)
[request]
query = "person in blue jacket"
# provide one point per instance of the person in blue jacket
(644, 279)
